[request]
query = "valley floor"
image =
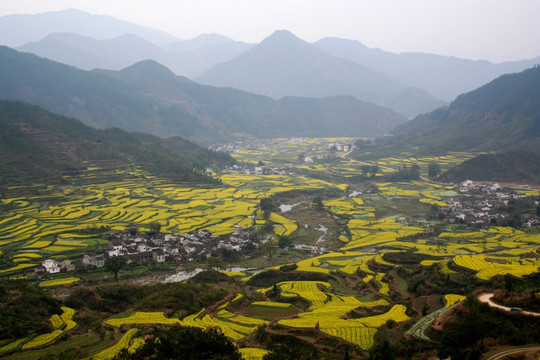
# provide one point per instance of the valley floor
(315, 252)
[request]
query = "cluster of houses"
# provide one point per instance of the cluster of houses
(244, 145)
(485, 210)
(151, 247)
(340, 147)
(255, 170)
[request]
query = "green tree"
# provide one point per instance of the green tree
(186, 343)
(215, 263)
(373, 169)
(267, 205)
(462, 337)
(366, 169)
(268, 226)
(289, 347)
(268, 248)
(415, 171)
(434, 170)
(285, 242)
(382, 350)
(114, 264)
(317, 203)
(155, 226)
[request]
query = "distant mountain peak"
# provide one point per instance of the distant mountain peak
(285, 42)
(67, 36)
(149, 68)
(282, 35)
(213, 38)
(100, 27)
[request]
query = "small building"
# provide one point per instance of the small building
(51, 266)
(66, 265)
(158, 256)
(94, 260)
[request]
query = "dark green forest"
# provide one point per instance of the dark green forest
(36, 144)
(515, 166)
(501, 116)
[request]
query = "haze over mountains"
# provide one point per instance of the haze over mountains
(284, 65)
(444, 77)
(324, 89)
(17, 30)
(501, 118)
(281, 65)
(148, 97)
(190, 57)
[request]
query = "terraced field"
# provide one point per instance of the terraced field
(66, 220)
(34, 229)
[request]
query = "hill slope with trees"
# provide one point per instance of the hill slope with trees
(37, 144)
(514, 166)
(500, 116)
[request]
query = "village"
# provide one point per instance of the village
(328, 150)
(477, 205)
(142, 249)
(488, 208)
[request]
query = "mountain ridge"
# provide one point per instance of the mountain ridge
(284, 65)
(423, 70)
(72, 20)
(186, 57)
(166, 104)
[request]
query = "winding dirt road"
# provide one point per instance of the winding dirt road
(486, 298)
(503, 354)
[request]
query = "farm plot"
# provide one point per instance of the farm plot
(142, 318)
(427, 193)
(445, 161)
(327, 310)
(485, 270)
(418, 330)
(111, 352)
(44, 339)
(68, 220)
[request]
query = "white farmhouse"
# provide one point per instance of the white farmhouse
(51, 266)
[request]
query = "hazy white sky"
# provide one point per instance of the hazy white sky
(495, 30)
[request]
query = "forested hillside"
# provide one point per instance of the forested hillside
(514, 166)
(500, 116)
(37, 144)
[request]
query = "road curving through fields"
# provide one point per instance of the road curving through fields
(486, 298)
